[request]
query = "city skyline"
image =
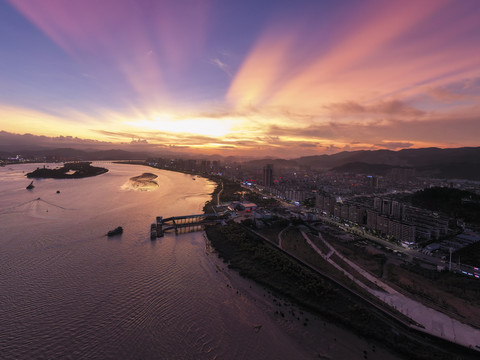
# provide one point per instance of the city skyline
(271, 78)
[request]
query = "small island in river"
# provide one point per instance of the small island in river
(144, 182)
(68, 171)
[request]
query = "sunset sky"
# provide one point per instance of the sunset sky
(279, 78)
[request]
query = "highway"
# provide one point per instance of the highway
(409, 253)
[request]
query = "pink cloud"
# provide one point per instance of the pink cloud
(123, 34)
(263, 69)
(384, 50)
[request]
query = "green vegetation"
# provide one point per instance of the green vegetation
(294, 243)
(453, 202)
(260, 200)
(468, 255)
(80, 170)
(372, 262)
(454, 294)
(309, 203)
(233, 191)
(229, 191)
(460, 286)
(273, 227)
(257, 260)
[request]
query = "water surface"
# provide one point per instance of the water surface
(68, 291)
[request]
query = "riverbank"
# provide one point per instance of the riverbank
(311, 334)
(348, 309)
(254, 259)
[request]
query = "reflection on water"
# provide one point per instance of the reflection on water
(69, 291)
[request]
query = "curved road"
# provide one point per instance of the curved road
(384, 312)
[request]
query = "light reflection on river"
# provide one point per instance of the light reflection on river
(68, 291)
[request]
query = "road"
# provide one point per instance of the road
(218, 195)
(433, 322)
(437, 324)
(409, 253)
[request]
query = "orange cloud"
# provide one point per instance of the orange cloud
(262, 71)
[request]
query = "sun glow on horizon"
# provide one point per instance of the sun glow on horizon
(322, 78)
(194, 126)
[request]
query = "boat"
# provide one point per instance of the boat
(153, 231)
(30, 186)
(116, 231)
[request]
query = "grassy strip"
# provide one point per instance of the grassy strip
(365, 259)
(468, 255)
(319, 244)
(271, 233)
(339, 261)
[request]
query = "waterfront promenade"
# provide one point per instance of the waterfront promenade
(431, 321)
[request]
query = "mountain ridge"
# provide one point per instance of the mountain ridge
(461, 162)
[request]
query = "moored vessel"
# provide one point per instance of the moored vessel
(116, 231)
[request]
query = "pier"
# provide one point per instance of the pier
(185, 223)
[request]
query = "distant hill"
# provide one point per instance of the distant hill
(364, 168)
(415, 158)
(76, 154)
(461, 163)
(277, 163)
(119, 155)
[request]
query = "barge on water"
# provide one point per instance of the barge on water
(116, 231)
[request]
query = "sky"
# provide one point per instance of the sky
(254, 78)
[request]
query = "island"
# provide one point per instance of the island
(74, 170)
(144, 182)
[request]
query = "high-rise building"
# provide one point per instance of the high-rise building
(386, 206)
(396, 210)
(268, 175)
(371, 219)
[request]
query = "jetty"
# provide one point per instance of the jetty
(184, 223)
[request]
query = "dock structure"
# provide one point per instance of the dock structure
(186, 222)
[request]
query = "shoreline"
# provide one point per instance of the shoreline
(405, 331)
(326, 300)
(331, 316)
(310, 332)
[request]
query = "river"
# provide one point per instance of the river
(67, 291)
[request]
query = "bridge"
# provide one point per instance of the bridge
(186, 223)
